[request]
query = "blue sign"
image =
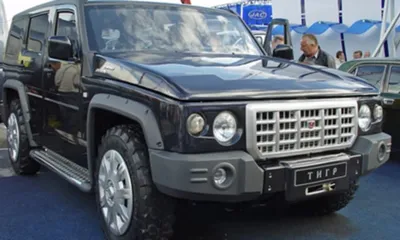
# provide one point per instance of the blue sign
(258, 14)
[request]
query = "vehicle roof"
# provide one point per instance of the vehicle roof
(78, 2)
(375, 59)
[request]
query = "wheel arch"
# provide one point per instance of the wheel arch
(15, 87)
(132, 111)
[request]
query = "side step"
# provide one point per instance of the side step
(70, 171)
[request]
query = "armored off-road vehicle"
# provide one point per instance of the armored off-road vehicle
(145, 104)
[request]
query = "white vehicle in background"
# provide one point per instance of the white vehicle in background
(3, 38)
(3, 27)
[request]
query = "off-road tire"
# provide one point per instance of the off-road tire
(153, 214)
(325, 205)
(24, 164)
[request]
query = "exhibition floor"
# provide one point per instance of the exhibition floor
(47, 207)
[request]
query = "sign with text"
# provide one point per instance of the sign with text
(257, 14)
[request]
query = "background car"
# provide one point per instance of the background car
(383, 73)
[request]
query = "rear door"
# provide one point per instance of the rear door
(30, 60)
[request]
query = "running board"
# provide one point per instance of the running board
(70, 171)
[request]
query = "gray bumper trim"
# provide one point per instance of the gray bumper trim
(368, 147)
(193, 173)
(191, 176)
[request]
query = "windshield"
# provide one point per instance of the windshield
(132, 27)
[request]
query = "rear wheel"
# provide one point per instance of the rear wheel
(129, 204)
(18, 143)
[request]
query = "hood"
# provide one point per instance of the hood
(215, 77)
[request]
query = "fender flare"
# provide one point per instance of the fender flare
(127, 108)
(23, 97)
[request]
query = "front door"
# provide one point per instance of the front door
(391, 99)
(62, 87)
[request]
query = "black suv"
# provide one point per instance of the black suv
(146, 104)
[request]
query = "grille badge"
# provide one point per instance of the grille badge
(311, 124)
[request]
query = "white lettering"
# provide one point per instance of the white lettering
(257, 14)
(334, 171)
(309, 175)
(327, 172)
(319, 174)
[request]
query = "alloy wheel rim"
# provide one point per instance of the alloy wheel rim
(115, 192)
(13, 137)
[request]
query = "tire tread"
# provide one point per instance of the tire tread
(24, 165)
(327, 205)
(155, 211)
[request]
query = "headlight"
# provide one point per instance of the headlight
(378, 113)
(195, 124)
(364, 118)
(224, 127)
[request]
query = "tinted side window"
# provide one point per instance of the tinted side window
(66, 25)
(37, 32)
(16, 37)
(394, 80)
(372, 73)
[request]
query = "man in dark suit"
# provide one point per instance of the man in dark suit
(313, 54)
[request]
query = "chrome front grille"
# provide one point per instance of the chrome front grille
(288, 128)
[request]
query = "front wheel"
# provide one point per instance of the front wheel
(129, 204)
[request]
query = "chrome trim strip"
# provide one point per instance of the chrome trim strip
(288, 94)
(295, 105)
(61, 103)
(35, 95)
(319, 160)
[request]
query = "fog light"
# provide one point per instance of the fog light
(220, 177)
(223, 176)
(381, 152)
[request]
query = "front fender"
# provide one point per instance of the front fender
(125, 107)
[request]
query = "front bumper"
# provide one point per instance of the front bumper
(191, 176)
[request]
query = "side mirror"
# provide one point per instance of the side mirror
(286, 32)
(60, 47)
(283, 51)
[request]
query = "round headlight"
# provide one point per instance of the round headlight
(378, 113)
(224, 127)
(364, 118)
(195, 124)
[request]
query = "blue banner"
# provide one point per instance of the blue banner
(257, 14)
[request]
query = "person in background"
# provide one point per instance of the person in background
(357, 54)
(313, 54)
(367, 54)
(339, 58)
(277, 40)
